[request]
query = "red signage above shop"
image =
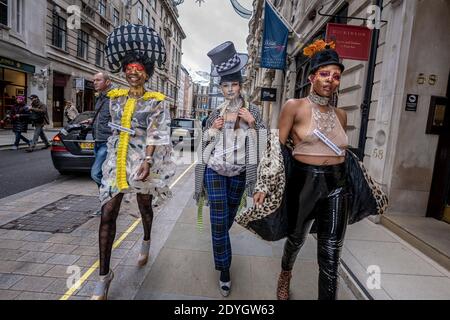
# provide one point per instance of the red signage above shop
(352, 42)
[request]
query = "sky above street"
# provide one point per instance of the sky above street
(209, 25)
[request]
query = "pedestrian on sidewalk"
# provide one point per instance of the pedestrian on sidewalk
(70, 111)
(19, 119)
(319, 190)
(139, 155)
(229, 156)
(100, 128)
(39, 118)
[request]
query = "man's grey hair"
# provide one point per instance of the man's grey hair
(105, 75)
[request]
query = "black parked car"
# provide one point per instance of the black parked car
(185, 131)
(73, 147)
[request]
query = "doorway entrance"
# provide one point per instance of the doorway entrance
(439, 200)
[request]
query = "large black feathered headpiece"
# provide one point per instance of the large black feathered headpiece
(136, 42)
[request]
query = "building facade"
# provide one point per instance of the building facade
(186, 92)
(216, 97)
(59, 64)
(409, 60)
(185, 95)
(201, 101)
(23, 62)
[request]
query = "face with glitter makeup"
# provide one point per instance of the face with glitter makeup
(135, 74)
(326, 80)
(231, 90)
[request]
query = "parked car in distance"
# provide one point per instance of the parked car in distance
(186, 131)
(72, 149)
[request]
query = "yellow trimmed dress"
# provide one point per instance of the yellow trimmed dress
(150, 120)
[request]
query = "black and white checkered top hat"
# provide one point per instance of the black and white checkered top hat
(226, 60)
(136, 39)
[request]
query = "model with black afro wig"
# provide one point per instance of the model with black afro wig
(132, 57)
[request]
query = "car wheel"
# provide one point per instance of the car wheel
(64, 173)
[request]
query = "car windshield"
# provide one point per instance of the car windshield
(83, 116)
(182, 123)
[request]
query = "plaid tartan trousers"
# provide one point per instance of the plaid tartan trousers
(224, 196)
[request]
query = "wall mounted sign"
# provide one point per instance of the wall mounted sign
(411, 102)
(10, 63)
(268, 94)
(352, 42)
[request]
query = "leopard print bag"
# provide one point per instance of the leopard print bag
(367, 197)
(270, 220)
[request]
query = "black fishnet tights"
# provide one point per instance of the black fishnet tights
(107, 230)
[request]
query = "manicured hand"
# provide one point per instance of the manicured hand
(247, 116)
(258, 198)
(143, 172)
(218, 123)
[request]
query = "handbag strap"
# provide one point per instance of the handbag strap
(97, 112)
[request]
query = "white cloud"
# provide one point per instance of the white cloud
(209, 25)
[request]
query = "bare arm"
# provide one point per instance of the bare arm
(342, 116)
(285, 124)
(286, 119)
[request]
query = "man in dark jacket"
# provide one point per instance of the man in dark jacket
(101, 130)
(19, 119)
(39, 117)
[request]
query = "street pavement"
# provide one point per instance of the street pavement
(43, 265)
(20, 170)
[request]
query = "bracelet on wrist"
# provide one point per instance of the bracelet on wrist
(149, 159)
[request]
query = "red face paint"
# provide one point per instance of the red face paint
(137, 66)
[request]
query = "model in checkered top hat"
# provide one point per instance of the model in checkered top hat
(230, 156)
(139, 158)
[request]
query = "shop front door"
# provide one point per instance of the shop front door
(439, 200)
(58, 106)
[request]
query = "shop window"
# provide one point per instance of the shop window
(15, 85)
(59, 32)
(99, 54)
(82, 44)
(4, 12)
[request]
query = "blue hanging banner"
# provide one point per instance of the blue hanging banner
(275, 40)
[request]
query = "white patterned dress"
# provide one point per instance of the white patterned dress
(151, 123)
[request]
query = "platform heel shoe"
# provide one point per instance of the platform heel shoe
(102, 287)
(225, 288)
(144, 253)
(283, 285)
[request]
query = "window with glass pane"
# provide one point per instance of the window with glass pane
(116, 17)
(59, 32)
(18, 26)
(102, 7)
(99, 54)
(147, 18)
(4, 12)
(83, 41)
(140, 10)
(153, 23)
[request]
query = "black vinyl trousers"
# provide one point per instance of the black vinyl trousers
(318, 193)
